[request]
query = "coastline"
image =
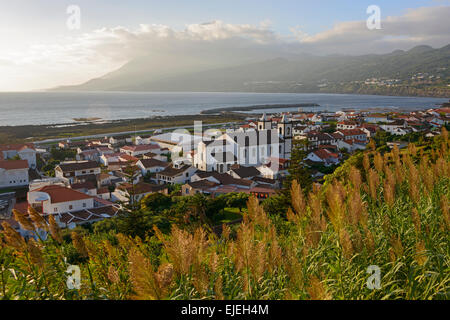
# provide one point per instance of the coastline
(82, 127)
(259, 107)
(39, 133)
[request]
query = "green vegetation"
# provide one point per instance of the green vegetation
(389, 210)
(10, 134)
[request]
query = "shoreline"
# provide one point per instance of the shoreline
(42, 133)
(98, 127)
(259, 107)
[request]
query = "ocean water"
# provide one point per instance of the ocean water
(63, 107)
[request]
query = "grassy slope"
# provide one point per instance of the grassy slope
(387, 210)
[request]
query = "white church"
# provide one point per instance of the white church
(253, 147)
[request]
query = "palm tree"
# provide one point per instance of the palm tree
(197, 205)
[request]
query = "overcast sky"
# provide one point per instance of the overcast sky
(38, 50)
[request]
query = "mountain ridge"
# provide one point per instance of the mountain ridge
(277, 74)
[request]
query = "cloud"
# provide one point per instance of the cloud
(427, 25)
(216, 43)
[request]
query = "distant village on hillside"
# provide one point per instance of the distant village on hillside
(84, 181)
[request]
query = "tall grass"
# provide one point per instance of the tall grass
(393, 213)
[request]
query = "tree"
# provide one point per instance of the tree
(197, 206)
(111, 189)
(132, 172)
(297, 170)
(157, 202)
(382, 137)
(237, 200)
(277, 205)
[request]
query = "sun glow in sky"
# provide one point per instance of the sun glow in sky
(39, 51)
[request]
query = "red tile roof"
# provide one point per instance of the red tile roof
(142, 147)
(60, 194)
(126, 157)
(352, 132)
(325, 154)
(142, 188)
(18, 147)
(13, 164)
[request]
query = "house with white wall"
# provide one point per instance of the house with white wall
(323, 156)
(126, 191)
(398, 127)
(23, 151)
(141, 149)
(71, 170)
(177, 173)
(151, 166)
(13, 173)
(56, 199)
(346, 125)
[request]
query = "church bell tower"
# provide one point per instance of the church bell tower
(285, 133)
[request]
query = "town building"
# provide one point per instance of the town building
(247, 148)
(176, 173)
(13, 173)
(19, 151)
(75, 169)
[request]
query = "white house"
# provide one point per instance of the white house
(56, 199)
(13, 173)
(376, 118)
(141, 149)
(120, 140)
(176, 174)
(352, 134)
(125, 191)
(393, 127)
(351, 145)
(74, 169)
(323, 156)
(24, 151)
(275, 168)
(346, 125)
(151, 165)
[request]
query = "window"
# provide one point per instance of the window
(55, 209)
(70, 207)
(84, 205)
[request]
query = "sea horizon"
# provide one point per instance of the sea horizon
(51, 108)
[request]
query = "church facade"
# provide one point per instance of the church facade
(247, 148)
